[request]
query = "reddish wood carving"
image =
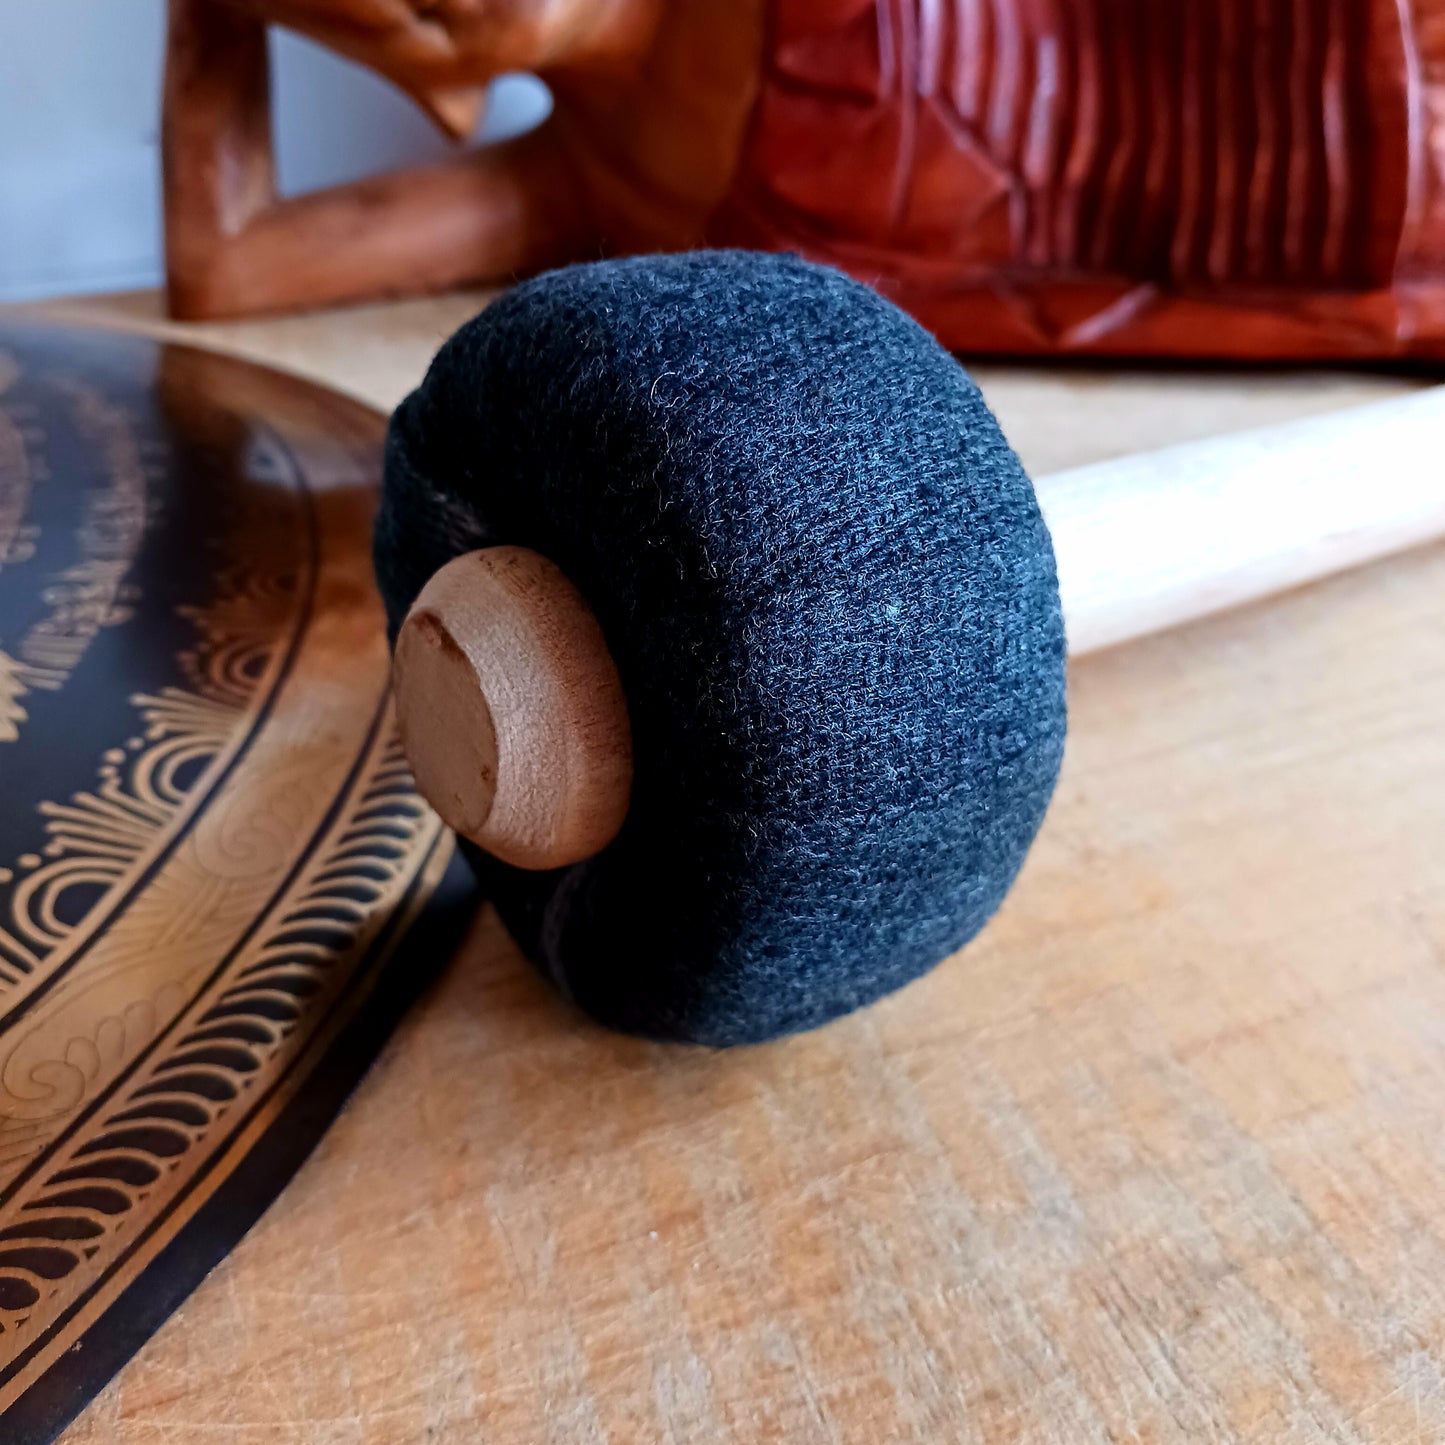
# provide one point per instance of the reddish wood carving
(1248, 178)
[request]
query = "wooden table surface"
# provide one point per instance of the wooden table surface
(1161, 1157)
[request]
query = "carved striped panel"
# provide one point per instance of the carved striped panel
(1183, 141)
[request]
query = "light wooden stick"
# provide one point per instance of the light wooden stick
(1151, 541)
(514, 719)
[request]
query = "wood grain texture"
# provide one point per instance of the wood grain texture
(1159, 1158)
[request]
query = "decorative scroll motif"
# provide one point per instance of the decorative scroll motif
(16, 680)
(96, 839)
(123, 1170)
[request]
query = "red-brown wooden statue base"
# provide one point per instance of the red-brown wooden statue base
(1224, 178)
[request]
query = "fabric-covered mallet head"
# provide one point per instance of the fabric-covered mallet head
(728, 634)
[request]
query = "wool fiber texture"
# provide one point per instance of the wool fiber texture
(831, 599)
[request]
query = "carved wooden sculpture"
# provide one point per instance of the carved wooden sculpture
(1244, 178)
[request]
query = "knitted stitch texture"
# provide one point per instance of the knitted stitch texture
(829, 593)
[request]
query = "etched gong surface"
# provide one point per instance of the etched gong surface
(209, 841)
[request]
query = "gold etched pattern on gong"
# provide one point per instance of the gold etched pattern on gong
(265, 846)
(197, 928)
(221, 1042)
(99, 841)
(90, 594)
(16, 677)
(15, 482)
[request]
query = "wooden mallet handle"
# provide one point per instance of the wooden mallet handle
(1150, 541)
(514, 719)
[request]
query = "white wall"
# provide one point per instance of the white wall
(80, 145)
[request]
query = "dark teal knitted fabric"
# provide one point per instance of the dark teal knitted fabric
(830, 596)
